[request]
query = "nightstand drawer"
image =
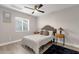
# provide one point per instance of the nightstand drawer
(59, 35)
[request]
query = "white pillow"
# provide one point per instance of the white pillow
(50, 33)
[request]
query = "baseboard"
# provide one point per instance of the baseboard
(11, 42)
(73, 45)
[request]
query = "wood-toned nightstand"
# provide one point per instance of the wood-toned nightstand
(60, 36)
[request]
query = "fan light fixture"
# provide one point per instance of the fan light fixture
(36, 8)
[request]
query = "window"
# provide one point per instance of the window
(22, 24)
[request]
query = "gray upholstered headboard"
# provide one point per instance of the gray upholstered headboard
(48, 28)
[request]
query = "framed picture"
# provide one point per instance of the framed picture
(6, 17)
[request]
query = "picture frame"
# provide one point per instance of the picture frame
(6, 17)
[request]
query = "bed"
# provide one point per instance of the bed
(36, 41)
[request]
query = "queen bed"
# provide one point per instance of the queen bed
(36, 41)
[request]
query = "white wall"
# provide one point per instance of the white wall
(7, 30)
(66, 18)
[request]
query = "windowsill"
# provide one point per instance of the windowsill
(22, 31)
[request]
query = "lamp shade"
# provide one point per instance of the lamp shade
(61, 29)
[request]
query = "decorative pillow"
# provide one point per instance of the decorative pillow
(44, 33)
(41, 32)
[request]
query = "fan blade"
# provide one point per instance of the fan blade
(40, 11)
(40, 6)
(29, 8)
(33, 12)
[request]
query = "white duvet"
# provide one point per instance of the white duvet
(35, 41)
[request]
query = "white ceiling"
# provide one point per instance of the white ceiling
(48, 8)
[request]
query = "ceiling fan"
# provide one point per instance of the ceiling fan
(36, 8)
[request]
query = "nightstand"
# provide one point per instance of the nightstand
(60, 36)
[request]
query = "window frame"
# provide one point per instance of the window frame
(23, 20)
